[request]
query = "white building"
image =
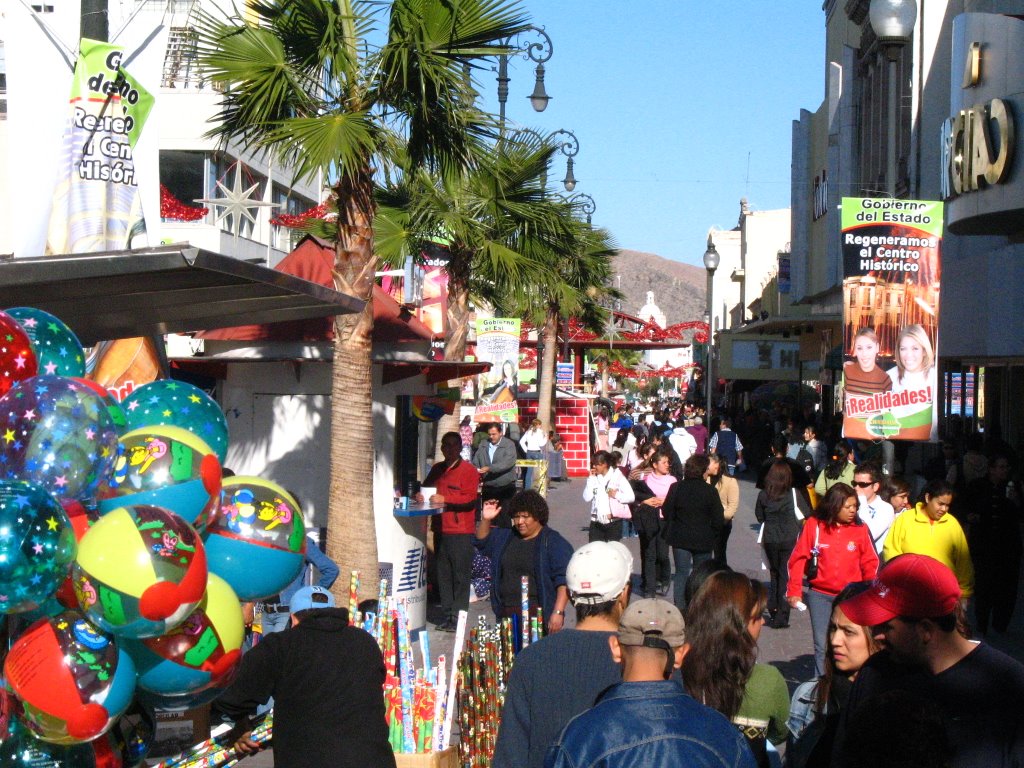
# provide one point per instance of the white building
(35, 82)
(662, 358)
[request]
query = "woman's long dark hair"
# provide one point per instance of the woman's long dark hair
(837, 461)
(825, 681)
(778, 481)
(830, 507)
(722, 652)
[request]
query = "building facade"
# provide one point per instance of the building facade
(958, 83)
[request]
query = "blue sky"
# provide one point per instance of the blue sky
(668, 99)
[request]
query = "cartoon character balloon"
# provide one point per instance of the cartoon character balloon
(17, 358)
(179, 404)
(140, 571)
(258, 542)
(37, 545)
(57, 349)
(71, 679)
(202, 652)
(56, 433)
(167, 467)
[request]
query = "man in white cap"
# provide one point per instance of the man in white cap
(648, 719)
(560, 676)
(326, 678)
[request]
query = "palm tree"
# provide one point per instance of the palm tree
(305, 81)
(580, 279)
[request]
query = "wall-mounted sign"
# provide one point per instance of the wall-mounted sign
(980, 180)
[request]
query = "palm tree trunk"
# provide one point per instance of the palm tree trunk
(351, 526)
(457, 324)
(546, 375)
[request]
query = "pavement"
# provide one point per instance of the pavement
(791, 650)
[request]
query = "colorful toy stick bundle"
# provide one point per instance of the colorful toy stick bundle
(483, 668)
(219, 752)
(413, 697)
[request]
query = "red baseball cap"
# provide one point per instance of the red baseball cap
(914, 586)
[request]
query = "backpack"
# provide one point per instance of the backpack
(805, 460)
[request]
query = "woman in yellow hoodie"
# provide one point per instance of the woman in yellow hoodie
(929, 529)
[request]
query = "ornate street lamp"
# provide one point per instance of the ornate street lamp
(711, 261)
(585, 203)
(538, 52)
(893, 22)
(568, 146)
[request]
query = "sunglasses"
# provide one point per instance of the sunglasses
(863, 485)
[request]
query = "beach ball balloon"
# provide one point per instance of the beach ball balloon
(164, 466)
(20, 748)
(200, 653)
(71, 679)
(133, 734)
(37, 545)
(56, 433)
(17, 358)
(258, 542)
(179, 404)
(58, 350)
(140, 571)
(117, 414)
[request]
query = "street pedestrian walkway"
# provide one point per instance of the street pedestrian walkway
(790, 650)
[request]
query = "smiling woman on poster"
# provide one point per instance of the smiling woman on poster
(914, 372)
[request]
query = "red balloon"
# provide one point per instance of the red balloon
(17, 358)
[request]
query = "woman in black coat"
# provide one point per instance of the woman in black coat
(694, 520)
(777, 507)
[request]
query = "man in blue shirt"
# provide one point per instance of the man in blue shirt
(648, 719)
(276, 614)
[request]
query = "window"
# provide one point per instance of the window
(181, 173)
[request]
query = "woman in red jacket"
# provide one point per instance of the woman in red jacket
(841, 545)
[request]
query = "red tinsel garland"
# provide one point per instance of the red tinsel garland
(172, 208)
(294, 220)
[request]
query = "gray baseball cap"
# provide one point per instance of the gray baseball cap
(652, 618)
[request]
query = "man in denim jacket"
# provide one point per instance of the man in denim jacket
(648, 719)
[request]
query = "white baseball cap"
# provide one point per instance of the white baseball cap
(598, 572)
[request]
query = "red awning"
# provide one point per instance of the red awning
(435, 371)
(313, 260)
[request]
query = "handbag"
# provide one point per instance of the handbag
(811, 569)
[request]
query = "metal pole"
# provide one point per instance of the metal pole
(890, 161)
(93, 24)
(709, 374)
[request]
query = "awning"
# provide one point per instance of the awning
(170, 289)
(435, 371)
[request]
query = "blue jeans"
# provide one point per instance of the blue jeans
(820, 606)
(686, 560)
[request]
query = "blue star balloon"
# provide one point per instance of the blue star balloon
(179, 404)
(57, 433)
(58, 350)
(37, 546)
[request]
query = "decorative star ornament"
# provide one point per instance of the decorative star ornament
(611, 330)
(236, 202)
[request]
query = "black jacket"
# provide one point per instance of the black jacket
(327, 682)
(693, 516)
(779, 517)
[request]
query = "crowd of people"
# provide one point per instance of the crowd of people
(891, 569)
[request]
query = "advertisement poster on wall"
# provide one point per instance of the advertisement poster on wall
(497, 342)
(891, 279)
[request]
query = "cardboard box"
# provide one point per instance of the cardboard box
(177, 731)
(448, 758)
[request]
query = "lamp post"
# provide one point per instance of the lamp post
(586, 205)
(568, 146)
(893, 23)
(711, 262)
(538, 52)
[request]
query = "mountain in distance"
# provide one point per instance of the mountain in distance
(680, 290)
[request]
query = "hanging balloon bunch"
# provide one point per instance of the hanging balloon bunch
(123, 552)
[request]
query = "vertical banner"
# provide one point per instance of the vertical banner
(96, 203)
(891, 278)
(497, 343)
